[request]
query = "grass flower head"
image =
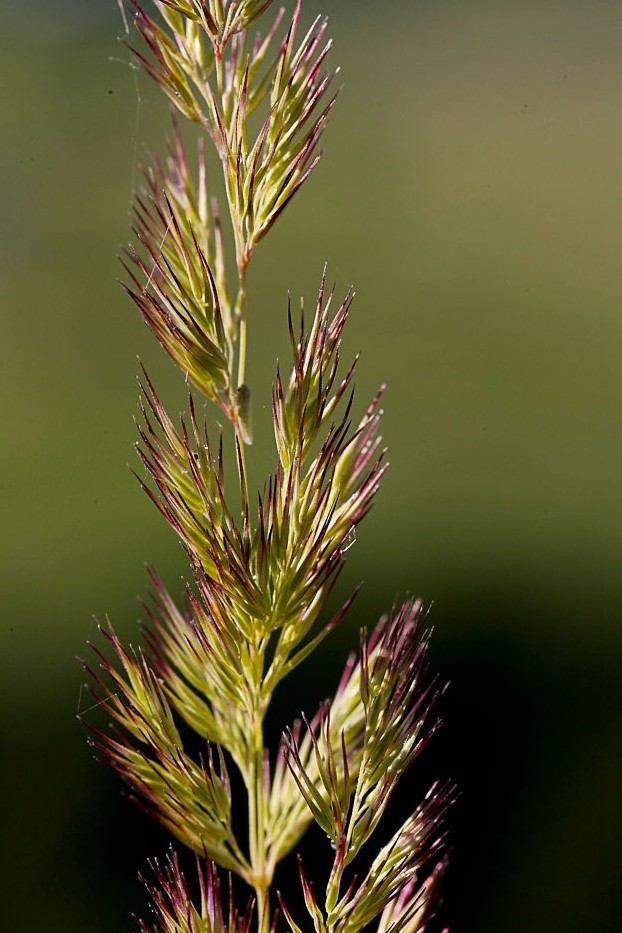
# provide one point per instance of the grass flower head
(261, 566)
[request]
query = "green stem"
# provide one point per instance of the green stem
(243, 471)
(261, 872)
(257, 826)
(239, 319)
(263, 909)
(242, 350)
(219, 74)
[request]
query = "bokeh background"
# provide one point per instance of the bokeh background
(472, 192)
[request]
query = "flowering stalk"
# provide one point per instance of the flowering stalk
(260, 578)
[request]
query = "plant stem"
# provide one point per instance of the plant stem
(219, 74)
(242, 350)
(241, 430)
(243, 472)
(239, 318)
(257, 822)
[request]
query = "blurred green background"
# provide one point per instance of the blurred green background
(471, 191)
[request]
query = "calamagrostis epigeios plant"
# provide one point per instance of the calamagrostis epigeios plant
(261, 569)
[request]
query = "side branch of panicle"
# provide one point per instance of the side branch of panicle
(305, 404)
(346, 769)
(175, 911)
(191, 798)
(218, 20)
(187, 475)
(198, 655)
(220, 78)
(277, 575)
(177, 274)
(314, 503)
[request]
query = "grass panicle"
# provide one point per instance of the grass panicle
(261, 565)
